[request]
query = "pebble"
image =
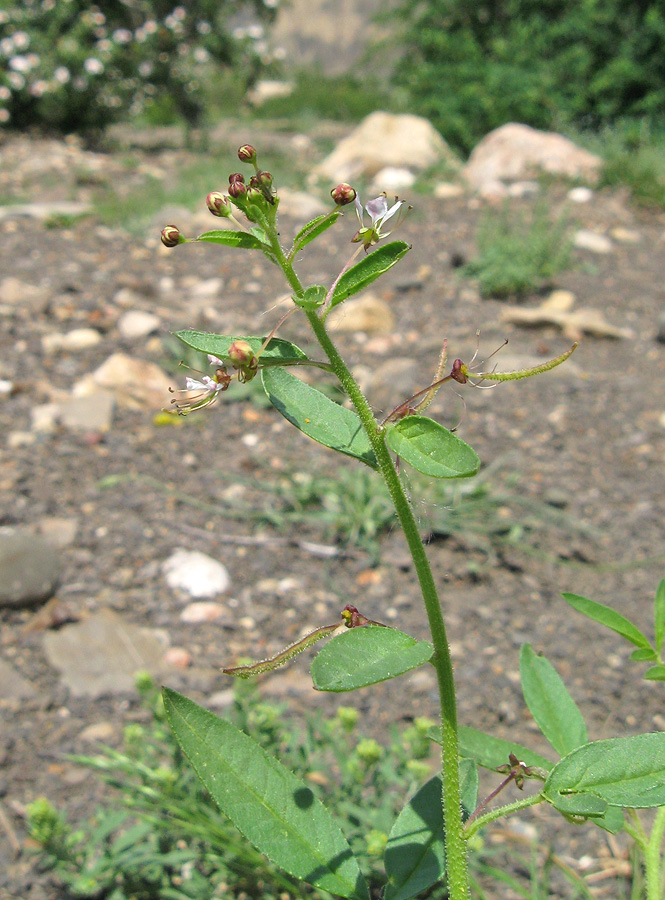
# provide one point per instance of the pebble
(134, 383)
(207, 289)
(98, 731)
(136, 323)
(593, 242)
(559, 300)
(6, 387)
(221, 699)
(523, 189)
(29, 568)
(195, 573)
(78, 339)
(367, 313)
(202, 611)
(22, 295)
(446, 190)
(177, 658)
(59, 531)
(392, 179)
(625, 235)
(580, 195)
(103, 653)
(44, 418)
(90, 414)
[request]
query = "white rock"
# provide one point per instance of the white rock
(195, 573)
(208, 289)
(367, 313)
(45, 417)
(202, 611)
(78, 339)
(6, 387)
(91, 413)
(446, 190)
(300, 205)
(177, 658)
(127, 298)
(17, 439)
(523, 188)
(580, 195)
(134, 383)
(383, 139)
(593, 242)
(515, 152)
(14, 292)
(392, 179)
(559, 300)
(136, 323)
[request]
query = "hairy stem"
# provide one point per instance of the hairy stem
(653, 857)
(502, 811)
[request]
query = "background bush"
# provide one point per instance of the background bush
(472, 65)
(71, 65)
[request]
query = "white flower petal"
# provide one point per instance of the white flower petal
(214, 360)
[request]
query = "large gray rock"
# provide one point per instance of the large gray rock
(29, 568)
(384, 139)
(516, 152)
(102, 654)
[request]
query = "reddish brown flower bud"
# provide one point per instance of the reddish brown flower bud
(263, 179)
(236, 176)
(237, 189)
(171, 236)
(218, 204)
(459, 372)
(247, 154)
(254, 195)
(343, 194)
(241, 354)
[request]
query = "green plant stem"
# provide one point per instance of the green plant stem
(502, 811)
(456, 858)
(653, 856)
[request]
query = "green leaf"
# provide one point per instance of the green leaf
(313, 229)
(368, 270)
(233, 239)
(627, 771)
(317, 416)
(608, 617)
(367, 655)
(431, 449)
(550, 704)
(612, 820)
(579, 804)
(415, 856)
(655, 673)
(491, 752)
(272, 808)
(311, 298)
(278, 352)
(644, 654)
(659, 615)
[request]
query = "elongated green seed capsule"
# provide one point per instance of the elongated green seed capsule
(273, 662)
(525, 373)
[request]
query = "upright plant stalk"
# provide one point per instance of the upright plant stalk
(652, 850)
(456, 858)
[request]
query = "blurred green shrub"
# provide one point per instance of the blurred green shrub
(472, 65)
(70, 65)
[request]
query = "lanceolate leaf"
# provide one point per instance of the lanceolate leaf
(655, 673)
(550, 704)
(313, 229)
(431, 449)
(367, 655)
(316, 415)
(627, 772)
(608, 617)
(644, 654)
(659, 615)
(278, 352)
(415, 855)
(490, 752)
(272, 808)
(233, 239)
(368, 270)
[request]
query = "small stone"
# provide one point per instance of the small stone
(90, 414)
(592, 241)
(195, 573)
(625, 235)
(22, 295)
(222, 699)
(136, 323)
(98, 731)
(29, 568)
(127, 298)
(134, 383)
(580, 195)
(102, 654)
(45, 418)
(6, 387)
(207, 289)
(392, 179)
(523, 189)
(367, 313)
(300, 205)
(446, 190)
(78, 339)
(202, 611)
(17, 439)
(59, 531)
(177, 658)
